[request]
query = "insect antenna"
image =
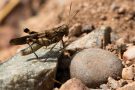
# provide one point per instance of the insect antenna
(68, 20)
(74, 14)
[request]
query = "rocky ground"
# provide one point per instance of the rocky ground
(100, 52)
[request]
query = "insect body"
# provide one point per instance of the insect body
(54, 35)
(37, 40)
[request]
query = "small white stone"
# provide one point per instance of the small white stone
(130, 53)
(127, 73)
(113, 83)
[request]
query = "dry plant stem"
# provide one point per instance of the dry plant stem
(8, 8)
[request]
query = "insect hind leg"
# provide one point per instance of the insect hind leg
(33, 51)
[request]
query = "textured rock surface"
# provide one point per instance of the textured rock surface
(113, 84)
(74, 84)
(94, 39)
(130, 86)
(28, 73)
(93, 66)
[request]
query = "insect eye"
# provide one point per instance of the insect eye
(26, 30)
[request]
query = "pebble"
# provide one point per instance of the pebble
(116, 17)
(122, 40)
(55, 89)
(75, 30)
(104, 86)
(74, 84)
(102, 17)
(114, 7)
(87, 28)
(128, 73)
(121, 10)
(93, 66)
(128, 17)
(113, 83)
(129, 54)
(122, 82)
(132, 40)
(114, 37)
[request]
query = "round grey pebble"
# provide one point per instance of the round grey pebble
(93, 66)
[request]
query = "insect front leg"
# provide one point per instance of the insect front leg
(63, 44)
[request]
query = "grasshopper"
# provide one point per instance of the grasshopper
(36, 40)
(40, 39)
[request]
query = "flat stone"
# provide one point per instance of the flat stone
(93, 39)
(29, 73)
(93, 66)
(87, 28)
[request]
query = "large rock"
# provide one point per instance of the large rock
(98, 38)
(93, 66)
(29, 73)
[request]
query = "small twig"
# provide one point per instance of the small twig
(8, 8)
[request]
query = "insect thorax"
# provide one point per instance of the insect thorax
(63, 30)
